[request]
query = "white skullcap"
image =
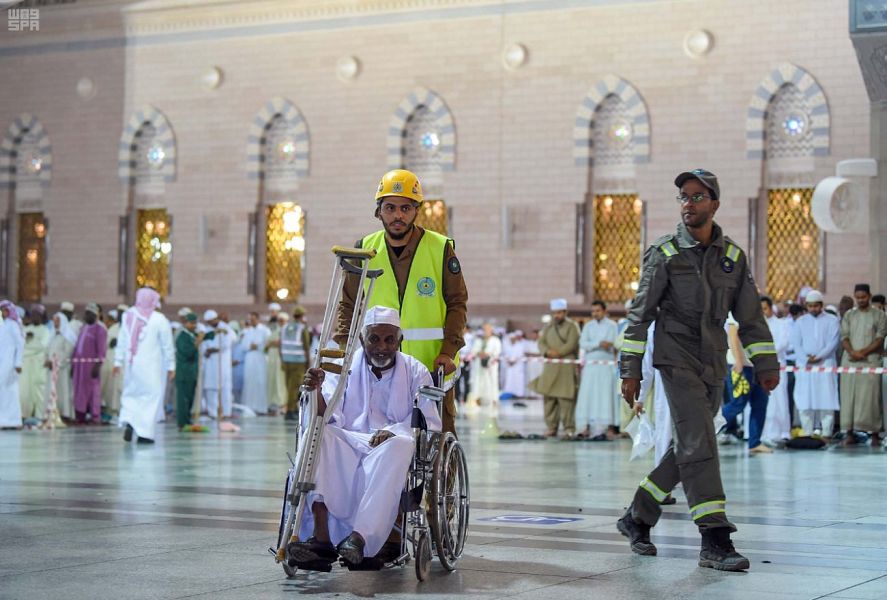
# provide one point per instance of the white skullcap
(813, 296)
(274, 306)
(185, 311)
(283, 317)
(67, 306)
(113, 313)
(122, 307)
(558, 304)
(210, 314)
(831, 308)
(381, 315)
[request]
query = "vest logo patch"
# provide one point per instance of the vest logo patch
(727, 265)
(426, 286)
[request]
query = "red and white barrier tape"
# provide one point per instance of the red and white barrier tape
(784, 368)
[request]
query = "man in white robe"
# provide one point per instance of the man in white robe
(514, 357)
(32, 385)
(778, 424)
(67, 309)
(277, 393)
(111, 384)
(215, 347)
(59, 399)
(484, 393)
(146, 355)
(815, 339)
(255, 368)
(12, 348)
(597, 407)
(366, 448)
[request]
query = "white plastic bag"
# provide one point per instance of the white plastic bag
(643, 435)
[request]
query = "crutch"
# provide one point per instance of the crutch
(354, 261)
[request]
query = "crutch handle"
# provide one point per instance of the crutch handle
(345, 252)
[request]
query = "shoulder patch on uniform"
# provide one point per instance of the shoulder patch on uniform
(454, 266)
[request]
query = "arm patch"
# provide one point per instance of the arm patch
(453, 265)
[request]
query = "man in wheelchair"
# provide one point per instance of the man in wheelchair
(366, 449)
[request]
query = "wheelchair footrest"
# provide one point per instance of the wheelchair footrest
(367, 564)
(313, 565)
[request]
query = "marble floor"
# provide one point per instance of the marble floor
(83, 515)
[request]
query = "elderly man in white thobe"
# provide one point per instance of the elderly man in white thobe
(515, 358)
(146, 355)
(366, 449)
(597, 408)
(815, 339)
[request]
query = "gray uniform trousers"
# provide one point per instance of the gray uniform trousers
(692, 459)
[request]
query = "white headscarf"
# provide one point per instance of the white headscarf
(64, 329)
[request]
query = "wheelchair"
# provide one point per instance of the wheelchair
(435, 502)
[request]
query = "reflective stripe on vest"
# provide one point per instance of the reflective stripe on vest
(292, 350)
(759, 348)
(633, 346)
(423, 311)
(732, 252)
(668, 249)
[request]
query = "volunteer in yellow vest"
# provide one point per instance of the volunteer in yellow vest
(421, 275)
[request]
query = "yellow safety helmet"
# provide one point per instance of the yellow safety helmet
(400, 183)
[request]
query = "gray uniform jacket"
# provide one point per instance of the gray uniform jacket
(688, 290)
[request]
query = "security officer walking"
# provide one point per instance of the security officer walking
(690, 281)
(421, 276)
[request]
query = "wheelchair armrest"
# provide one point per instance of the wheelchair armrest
(418, 420)
(432, 393)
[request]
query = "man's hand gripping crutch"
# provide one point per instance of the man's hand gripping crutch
(316, 411)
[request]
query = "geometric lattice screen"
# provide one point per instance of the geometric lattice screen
(793, 251)
(284, 251)
(31, 257)
(153, 249)
(617, 246)
(432, 215)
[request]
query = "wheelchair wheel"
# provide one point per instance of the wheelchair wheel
(450, 502)
(290, 571)
(423, 556)
(285, 511)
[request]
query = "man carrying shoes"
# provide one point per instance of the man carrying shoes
(691, 280)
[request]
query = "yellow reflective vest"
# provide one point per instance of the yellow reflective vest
(423, 311)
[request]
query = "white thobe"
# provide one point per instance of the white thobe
(255, 368)
(514, 358)
(534, 367)
(817, 336)
(144, 375)
(276, 380)
(596, 405)
(484, 388)
(778, 424)
(213, 372)
(228, 367)
(59, 351)
(110, 382)
(360, 485)
(12, 349)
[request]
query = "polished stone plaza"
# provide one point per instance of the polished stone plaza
(82, 515)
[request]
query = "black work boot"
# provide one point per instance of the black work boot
(718, 552)
(638, 535)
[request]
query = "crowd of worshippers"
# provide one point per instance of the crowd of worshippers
(583, 401)
(59, 369)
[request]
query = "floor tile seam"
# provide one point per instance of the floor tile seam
(566, 580)
(226, 589)
(142, 507)
(164, 515)
(88, 564)
(850, 587)
(88, 530)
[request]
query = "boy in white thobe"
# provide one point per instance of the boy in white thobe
(12, 347)
(215, 347)
(514, 355)
(366, 448)
(815, 339)
(597, 407)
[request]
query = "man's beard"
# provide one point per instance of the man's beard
(378, 364)
(399, 236)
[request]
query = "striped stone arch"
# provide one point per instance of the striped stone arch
(397, 128)
(756, 116)
(126, 164)
(255, 166)
(23, 125)
(583, 154)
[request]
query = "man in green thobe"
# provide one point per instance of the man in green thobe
(862, 335)
(559, 339)
(187, 356)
